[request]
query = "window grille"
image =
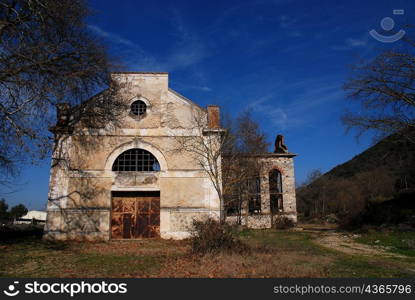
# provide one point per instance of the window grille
(138, 108)
(136, 160)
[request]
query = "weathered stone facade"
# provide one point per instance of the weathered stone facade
(283, 162)
(83, 183)
(79, 205)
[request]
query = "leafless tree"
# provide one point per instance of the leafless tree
(241, 170)
(205, 145)
(222, 153)
(307, 194)
(345, 197)
(47, 57)
(385, 89)
(250, 138)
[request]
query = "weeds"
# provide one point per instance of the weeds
(211, 236)
(283, 223)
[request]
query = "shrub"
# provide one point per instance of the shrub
(410, 244)
(10, 232)
(283, 223)
(399, 210)
(212, 236)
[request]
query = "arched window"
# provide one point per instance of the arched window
(136, 160)
(275, 191)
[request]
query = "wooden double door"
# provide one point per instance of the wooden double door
(135, 215)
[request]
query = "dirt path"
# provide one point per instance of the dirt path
(346, 244)
(328, 237)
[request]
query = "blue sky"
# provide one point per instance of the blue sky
(284, 60)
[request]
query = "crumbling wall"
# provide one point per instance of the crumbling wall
(284, 163)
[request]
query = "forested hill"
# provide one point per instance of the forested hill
(392, 154)
(377, 174)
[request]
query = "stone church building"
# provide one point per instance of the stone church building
(128, 182)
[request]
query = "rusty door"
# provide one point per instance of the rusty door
(135, 215)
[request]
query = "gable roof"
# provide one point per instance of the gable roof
(136, 72)
(186, 99)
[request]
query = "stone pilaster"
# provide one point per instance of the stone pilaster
(265, 197)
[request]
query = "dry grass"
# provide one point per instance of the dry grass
(151, 247)
(260, 265)
(273, 254)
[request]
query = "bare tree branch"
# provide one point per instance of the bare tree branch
(385, 89)
(48, 57)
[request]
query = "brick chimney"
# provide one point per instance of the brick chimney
(62, 111)
(63, 119)
(213, 116)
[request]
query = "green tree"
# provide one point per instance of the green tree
(3, 209)
(18, 211)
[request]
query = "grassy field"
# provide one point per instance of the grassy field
(274, 254)
(399, 242)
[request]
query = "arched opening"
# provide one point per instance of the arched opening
(253, 189)
(136, 160)
(275, 191)
(135, 214)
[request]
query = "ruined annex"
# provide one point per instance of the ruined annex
(129, 181)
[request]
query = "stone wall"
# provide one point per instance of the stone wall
(284, 163)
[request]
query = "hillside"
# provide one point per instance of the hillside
(379, 174)
(390, 153)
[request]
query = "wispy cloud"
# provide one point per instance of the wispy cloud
(284, 27)
(286, 21)
(202, 88)
(303, 108)
(356, 42)
(111, 36)
(132, 54)
(351, 43)
(188, 49)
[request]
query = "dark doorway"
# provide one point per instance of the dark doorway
(135, 215)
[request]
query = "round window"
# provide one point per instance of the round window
(138, 108)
